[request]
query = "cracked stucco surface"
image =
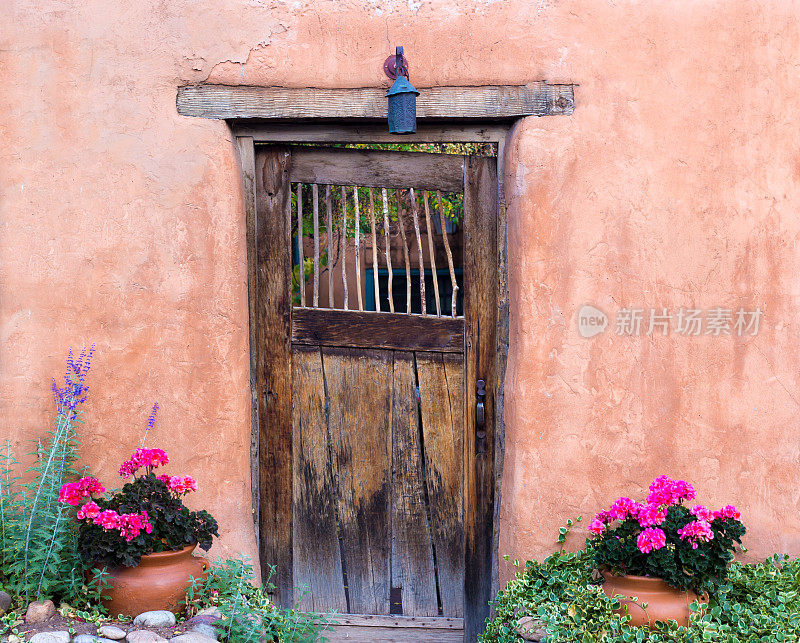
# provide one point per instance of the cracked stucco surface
(675, 183)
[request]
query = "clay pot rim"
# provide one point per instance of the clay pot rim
(159, 557)
(645, 579)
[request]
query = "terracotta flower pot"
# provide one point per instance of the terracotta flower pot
(663, 601)
(158, 582)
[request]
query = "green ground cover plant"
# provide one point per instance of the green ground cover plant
(248, 614)
(756, 603)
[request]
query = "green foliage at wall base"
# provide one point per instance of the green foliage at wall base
(248, 614)
(757, 603)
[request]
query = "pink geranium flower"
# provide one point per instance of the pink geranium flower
(666, 491)
(108, 519)
(651, 515)
(624, 508)
(597, 526)
(179, 484)
(728, 511)
(73, 492)
(131, 525)
(603, 516)
(141, 458)
(184, 484)
(651, 539)
(701, 512)
(696, 532)
(90, 510)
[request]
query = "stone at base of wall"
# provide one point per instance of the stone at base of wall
(531, 629)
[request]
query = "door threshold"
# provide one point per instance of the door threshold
(364, 628)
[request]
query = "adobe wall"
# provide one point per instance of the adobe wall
(675, 183)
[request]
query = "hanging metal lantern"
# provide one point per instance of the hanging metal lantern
(402, 98)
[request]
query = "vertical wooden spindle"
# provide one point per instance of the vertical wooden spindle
(358, 252)
(302, 279)
(315, 201)
(449, 253)
(415, 213)
(388, 245)
(400, 217)
(329, 239)
(289, 217)
(374, 250)
(343, 253)
(429, 232)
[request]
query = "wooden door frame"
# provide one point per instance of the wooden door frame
(247, 136)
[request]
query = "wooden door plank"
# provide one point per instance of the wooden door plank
(358, 384)
(413, 572)
(398, 331)
(273, 365)
(480, 310)
(486, 102)
(441, 385)
(319, 583)
(418, 622)
(378, 168)
(357, 634)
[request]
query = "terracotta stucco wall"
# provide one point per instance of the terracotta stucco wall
(675, 183)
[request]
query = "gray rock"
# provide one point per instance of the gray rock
(89, 638)
(531, 629)
(111, 632)
(193, 637)
(156, 618)
(205, 629)
(211, 611)
(5, 602)
(50, 637)
(13, 638)
(40, 611)
(144, 636)
(201, 620)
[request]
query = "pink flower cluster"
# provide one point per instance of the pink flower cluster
(651, 539)
(89, 511)
(150, 458)
(622, 509)
(651, 515)
(666, 491)
(73, 492)
(128, 525)
(179, 484)
(701, 512)
(696, 531)
(597, 526)
(728, 511)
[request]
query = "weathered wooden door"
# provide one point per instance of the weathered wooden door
(375, 312)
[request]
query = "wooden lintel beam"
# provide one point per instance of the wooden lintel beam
(231, 102)
(378, 168)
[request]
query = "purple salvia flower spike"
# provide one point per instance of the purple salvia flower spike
(150, 422)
